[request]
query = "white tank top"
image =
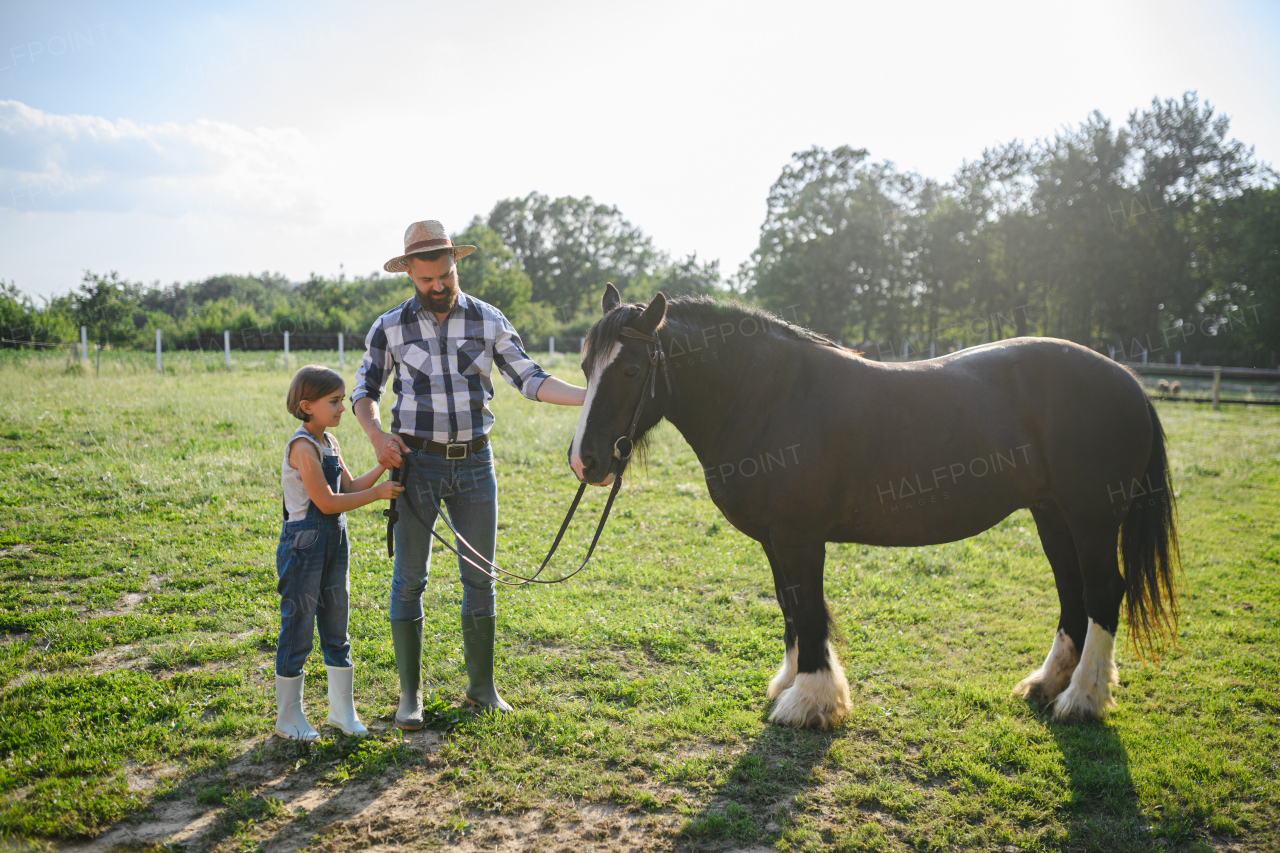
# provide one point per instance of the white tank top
(296, 501)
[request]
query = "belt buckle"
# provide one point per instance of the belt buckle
(460, 448)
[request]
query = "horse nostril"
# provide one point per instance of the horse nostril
(589, 465)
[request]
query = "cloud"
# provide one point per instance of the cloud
(65, 163)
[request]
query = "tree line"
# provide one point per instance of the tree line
(1158, 237)
(1161, 235)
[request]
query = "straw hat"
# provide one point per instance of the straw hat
(427, 236)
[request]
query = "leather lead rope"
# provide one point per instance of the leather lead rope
(657, 361)
(492, 569)
(392, 515)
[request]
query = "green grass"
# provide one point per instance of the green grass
(138, 619)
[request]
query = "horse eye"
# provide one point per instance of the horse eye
(631, 372)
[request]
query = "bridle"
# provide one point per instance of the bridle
(622, 450)
(657, 359)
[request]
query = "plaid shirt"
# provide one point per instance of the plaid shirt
(441, 374)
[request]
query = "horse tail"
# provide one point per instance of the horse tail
(1149, 550)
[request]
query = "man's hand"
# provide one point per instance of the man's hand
(389, 447)
(386, 445)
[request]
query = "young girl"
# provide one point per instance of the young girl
(311, 560)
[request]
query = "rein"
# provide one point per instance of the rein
(622, 449)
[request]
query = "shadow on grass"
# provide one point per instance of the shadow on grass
(280, 793)
(765, 790)
(1105, 810)
(759, 792)
(249, 796)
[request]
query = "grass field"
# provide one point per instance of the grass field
(137, 630)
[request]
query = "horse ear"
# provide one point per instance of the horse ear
(653, 316)
(612, 298)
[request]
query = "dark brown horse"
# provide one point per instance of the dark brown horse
(803, 442)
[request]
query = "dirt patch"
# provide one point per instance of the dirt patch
(199, 816)
(399, 809)
(124, 605)
(117, 657)
(165, 821)
(145, 778)
(405, 818)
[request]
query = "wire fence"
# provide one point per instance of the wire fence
(247, 348)
(66, 359)
(257, 352)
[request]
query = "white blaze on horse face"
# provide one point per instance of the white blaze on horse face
(1088, 697)
(575, 454)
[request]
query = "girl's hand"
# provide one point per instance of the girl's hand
(387, 490)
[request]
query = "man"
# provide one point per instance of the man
(441, 346)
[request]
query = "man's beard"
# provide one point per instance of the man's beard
(439, 303)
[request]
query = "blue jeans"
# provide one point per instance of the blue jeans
(311, 567)
(470, 495)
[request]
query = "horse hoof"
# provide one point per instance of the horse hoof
(1036, 688)
(1078, 704)
(1054, 675)
(1090, 695)
(816, 700)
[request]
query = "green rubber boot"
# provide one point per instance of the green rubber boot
(406, 636)
(477, 648)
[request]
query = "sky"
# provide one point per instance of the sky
(172, 142)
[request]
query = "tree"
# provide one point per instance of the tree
(492, 273)
(22, 321)
(837, 242)
(108, 307)
(1187, 164)
(689, 277)
(570, 247)
(1246, 293)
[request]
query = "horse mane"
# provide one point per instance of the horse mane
(696, 311)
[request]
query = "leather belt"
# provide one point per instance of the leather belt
(449, 450)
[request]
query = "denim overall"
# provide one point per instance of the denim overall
(311, 567)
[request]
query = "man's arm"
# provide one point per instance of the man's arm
(388, 446)
(525, 375)
(553, 390)
(370, 379)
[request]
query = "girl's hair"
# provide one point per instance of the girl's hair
(311, 383)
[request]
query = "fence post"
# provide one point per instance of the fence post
(341, 361)
(286, 350)
(1144, 356)
(1113, 353)
(1217, 384)
(931, 349)
(1178, 358)
(98, 353)
(904, 350)
(159, 363)
(84, 347)
(551, 347)
(226, 347)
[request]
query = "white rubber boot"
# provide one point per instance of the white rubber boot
(342, 706)
(290, 721)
